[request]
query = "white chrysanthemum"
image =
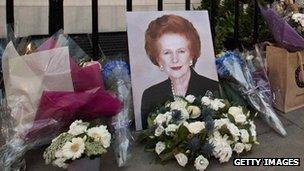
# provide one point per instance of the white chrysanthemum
(159, 130)
(74, 149)
(181, 158)
(239, 147)
(60, 162)
(100, 134)
(218, 123)
(206, 101)
(160, 147)
(195, 127)
(219, 103)
(248, 147)
(178, 104)
(194, 111)
(160, 118)
(234, 131)
(171, 128)
(77, 127)
(190, 98)
(201, 163)
(222, 149)
(244, 135)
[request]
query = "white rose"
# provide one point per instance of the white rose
(240, 118)
(160, 118)
(220, 103)
(206, 101)
(225, 154)
(239, 147)
(195, 127)
(218, 123)
(244, 135)
(234, 130)
(302, 22)
(160, 147)
(201, 163)
(194, 111)
(159, 130)
(178, 104)
(171, 128)
(252, 129)
(185, 114)
(181, 158)
(168, 117)
(190, 98)
(77, 128)
(235, 111)
(216, 104)
(296, 17)
(248, 147)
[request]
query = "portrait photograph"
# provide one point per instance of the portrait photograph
(171, 54)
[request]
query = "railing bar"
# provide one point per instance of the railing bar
(95, 29)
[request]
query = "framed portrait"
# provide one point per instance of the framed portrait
(171, 54)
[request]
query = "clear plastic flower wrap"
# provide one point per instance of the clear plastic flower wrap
(117, 78)
(45, 91)
(243, 77)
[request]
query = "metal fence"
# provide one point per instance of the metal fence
(56, 23)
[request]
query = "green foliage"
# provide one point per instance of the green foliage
(94, 148)
(224, 22)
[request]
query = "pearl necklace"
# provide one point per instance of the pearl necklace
(172, 89)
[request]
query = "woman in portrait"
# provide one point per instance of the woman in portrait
(173, 45)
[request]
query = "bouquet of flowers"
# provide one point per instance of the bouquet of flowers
(45, 91)
(286, 22)
(79, 142)
(193, 129)
(117, 79)
(246, 79)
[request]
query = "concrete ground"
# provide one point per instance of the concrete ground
(271, 145)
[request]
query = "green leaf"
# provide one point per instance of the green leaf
(166, 156)
(183, 132)
(231, 118)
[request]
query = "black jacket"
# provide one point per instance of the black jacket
(160, 93)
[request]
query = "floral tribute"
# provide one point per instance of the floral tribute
(193, 129)
(79, 142)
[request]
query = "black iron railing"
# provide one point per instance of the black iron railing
(56, 18)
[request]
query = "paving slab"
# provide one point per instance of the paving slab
(271, 145)
(296, 117)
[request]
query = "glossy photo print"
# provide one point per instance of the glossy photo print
(171, 54)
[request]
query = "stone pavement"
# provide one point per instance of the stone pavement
(271, 145)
